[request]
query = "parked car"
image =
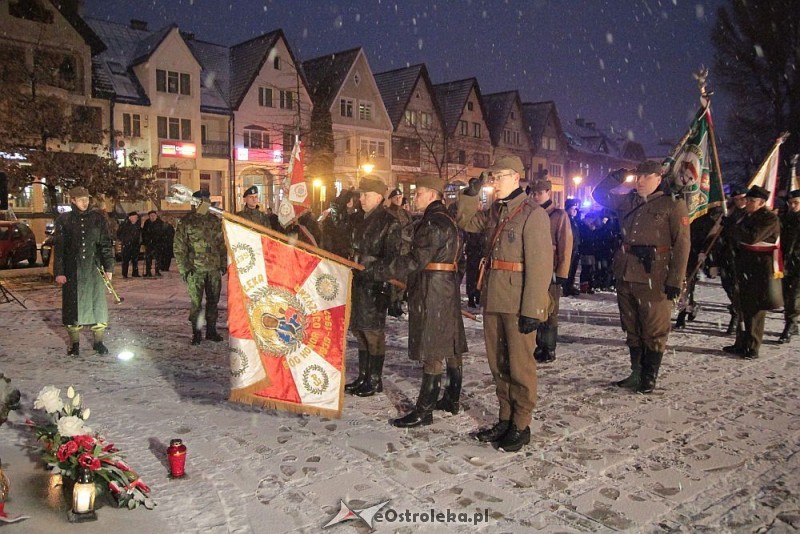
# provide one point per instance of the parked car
(17, 243)
(47, 244)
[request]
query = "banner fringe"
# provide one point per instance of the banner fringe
(244, 397)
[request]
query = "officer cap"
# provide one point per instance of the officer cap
(758, 192)
(252, 190)
(649, 167)
(431, 182)
(372, 183)
(737, 190)
(203, 193)
(508, 162)
(571, 203)
(395, 193)
(541, 185)
(132, 213)
(79, 192)
(794, 194)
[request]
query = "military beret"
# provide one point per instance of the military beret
(571, 203)
(395, 193)
(541, 185)
(794, 194)
(79, 192)
(758, 192)
(132, 213)
(372, 183)
(649, 167)
(433, 183)
(508, 162)
(202, 193)
(252, 190)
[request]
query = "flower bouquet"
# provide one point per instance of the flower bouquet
(68, 444)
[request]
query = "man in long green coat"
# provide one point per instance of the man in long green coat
(82, 248)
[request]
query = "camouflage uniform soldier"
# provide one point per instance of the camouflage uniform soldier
(649, 266)
(514, 296)
(251, 211)
(561, 234)
(202, 260)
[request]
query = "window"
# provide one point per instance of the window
(288, 145)
(513, 115)
(346, 107)
(365, 111)
(516, 138)
(480, 160)
(32, 10)
(56, 69)
(463, 127)
(371, 148)
(470, 106)
(131, 125)
(287, 100)
(507, 136)
(12, 65)
(406, 151)
(166, 179)
(555, 169)
(476, 129)
(410, 118)
(426, 120)
(174, 128)
(276, 63)
(168, 81)
(265, 97)
(462, 157)
(256, 137)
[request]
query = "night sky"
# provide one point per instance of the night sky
(625, 64)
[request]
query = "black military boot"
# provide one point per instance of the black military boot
(74, 349)
(733, 322)
(651, 362)
(212, 335)
(633, 380)
(680, 322)
(788, 331)
(452, 393)
(374, 382)
(515, 439)
(363, 371)
(422, 414)
(494, 433)
(98, 346)
(693, 311)
(197, 337)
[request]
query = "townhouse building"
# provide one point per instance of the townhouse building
(507, 128)
(549, 147)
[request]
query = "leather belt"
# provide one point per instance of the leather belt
(501, 265)
(626, 247)
(442, 267)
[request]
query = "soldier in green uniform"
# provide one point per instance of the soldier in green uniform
(251, 211)
(790, 241)
(82, 245)
(649, 265)
(202, 260)
(515, 299)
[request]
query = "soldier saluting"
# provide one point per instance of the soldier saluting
(649, 266)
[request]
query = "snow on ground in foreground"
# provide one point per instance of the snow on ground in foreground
(715, 447)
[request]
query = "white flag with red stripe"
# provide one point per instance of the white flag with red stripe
(296, 199)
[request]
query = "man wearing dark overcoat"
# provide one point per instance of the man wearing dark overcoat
(649, 266)
(435, 326)
(790, 244)
(753, 240)
(130, 234)
(375, 238)
(82, 250)
(517, 275)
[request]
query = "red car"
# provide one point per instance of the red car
(17, 243)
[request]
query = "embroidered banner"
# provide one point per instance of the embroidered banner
(288, 314)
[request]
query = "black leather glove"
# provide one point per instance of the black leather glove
(395, 309)
(475, 185)
(527, 324)
(561, 281)
(672, 292)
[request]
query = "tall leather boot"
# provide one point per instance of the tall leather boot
(363, 371)
(452, 393)
(633, 380)
(733, 322)
(98, 346)
(651, 362)
(197, 336)
(74, 341)
(680, 322)
(422, 414)
(374, 382)
(788, 331)
(211, 333)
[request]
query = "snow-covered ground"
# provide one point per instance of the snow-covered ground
(714, 448)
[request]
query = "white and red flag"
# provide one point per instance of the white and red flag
(288, 314)
(296, 199)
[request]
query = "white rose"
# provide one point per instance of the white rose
(77, 400)
(49, 400)
(70, 392)
(72, 426)
(85, 413)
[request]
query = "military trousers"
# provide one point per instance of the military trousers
(791, 298)
(433, 366)
(372, 341)
(74, 331)
(753, 323)
(210, 284)
(645, 313)
(547, 333)
(513, 366)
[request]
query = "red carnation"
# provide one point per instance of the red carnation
(89, 461)
(87, 442)
(66, 450)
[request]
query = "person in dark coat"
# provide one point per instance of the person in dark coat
(649, 267)
(166, 255)
(152, 239)
(571, 207)
(375, 238)
(130, 235)
(700, 235)
(81, 250)
(435, 326)
(790, 243)
(725, 252)
(474, 245)
(337, 225)
(754, 241)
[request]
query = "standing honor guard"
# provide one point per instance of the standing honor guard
(251, 211)
(790, 242)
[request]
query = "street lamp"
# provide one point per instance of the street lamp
(316, 183)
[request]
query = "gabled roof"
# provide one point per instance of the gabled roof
(585, 137)
(537, 114)
(397, 87)
(498, 107)
(326, 75)
(452, 98)
(215, 81)
(76, 21)
(149, 44)
(111, 68)
(246, 60)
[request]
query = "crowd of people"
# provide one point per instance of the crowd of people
(519, 255)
